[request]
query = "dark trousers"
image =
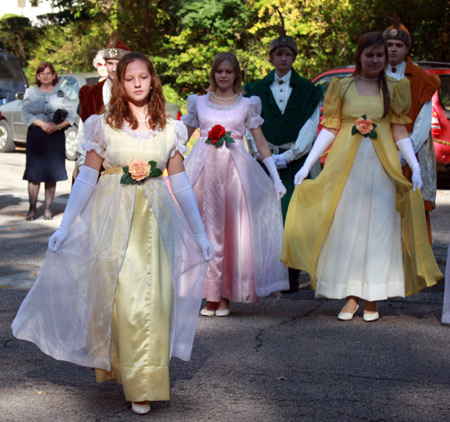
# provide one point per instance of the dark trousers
(287, 177)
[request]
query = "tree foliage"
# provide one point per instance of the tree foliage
(71, 37)
(183, 36)
(18, 36)
(203, 29)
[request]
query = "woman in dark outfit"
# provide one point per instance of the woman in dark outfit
(45, 139)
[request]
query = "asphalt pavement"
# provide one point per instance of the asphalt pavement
(286, 358)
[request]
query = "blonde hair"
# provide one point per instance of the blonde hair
(218, 60)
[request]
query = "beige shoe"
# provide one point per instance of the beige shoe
(140, 409)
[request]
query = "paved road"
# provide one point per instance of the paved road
(284, 359)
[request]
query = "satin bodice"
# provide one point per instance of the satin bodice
(124, 146)
(244, 114)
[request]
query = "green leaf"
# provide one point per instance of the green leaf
(155, 172)
(228, 138)
(354, 130)
(126, 179)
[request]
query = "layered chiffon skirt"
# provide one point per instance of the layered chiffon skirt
(362, 253)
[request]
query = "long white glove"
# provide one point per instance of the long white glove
(277, 183)
(406, 148)
(184, 194)
(323, 141)
(280, 161)
(81, 191)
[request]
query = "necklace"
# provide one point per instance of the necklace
(224, 99)
(143, 121)
(367, 79)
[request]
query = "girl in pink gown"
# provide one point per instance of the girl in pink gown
(238, 202)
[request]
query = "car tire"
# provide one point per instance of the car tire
(6, 141)
(71, 143)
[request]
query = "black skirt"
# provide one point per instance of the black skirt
(46, 156)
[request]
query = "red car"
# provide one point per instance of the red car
(440, 125)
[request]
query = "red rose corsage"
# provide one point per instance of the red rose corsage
(218, 136)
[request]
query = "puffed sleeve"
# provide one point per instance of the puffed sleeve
(400, 103)
(94, 135)
(27, 116)
(254, 119)
(191, 118)
(180, 138)
(332, 105)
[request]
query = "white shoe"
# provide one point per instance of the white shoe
(347, 316)
(372, 316)
(206, 312)
(140, 409)
(222, 312)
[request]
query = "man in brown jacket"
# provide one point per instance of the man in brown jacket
(423, 86)
(95, 98)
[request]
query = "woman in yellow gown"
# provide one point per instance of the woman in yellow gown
(359, 228)
(122, 282)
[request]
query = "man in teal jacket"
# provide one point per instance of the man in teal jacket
(291, 111)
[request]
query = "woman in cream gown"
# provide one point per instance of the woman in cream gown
(122, 282)
(359, 229)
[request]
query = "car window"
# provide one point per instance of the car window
(10, 70)
(444, 91)
(71, 86)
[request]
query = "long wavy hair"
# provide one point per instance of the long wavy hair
(41, 68)
(218, 60)
(374, 39)
(119, 110)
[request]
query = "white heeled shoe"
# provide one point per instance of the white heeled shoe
(347, 316)
(206, 312)
(372, 316)
(140, 409)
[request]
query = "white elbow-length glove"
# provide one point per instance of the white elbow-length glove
(184, 194)
(280, 161)
(323, 141)
(277, 183)
(81, 191)
(405, 146)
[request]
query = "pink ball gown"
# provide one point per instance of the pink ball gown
(238, 204)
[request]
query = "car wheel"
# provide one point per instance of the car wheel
(6, 142)
(71, 143)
